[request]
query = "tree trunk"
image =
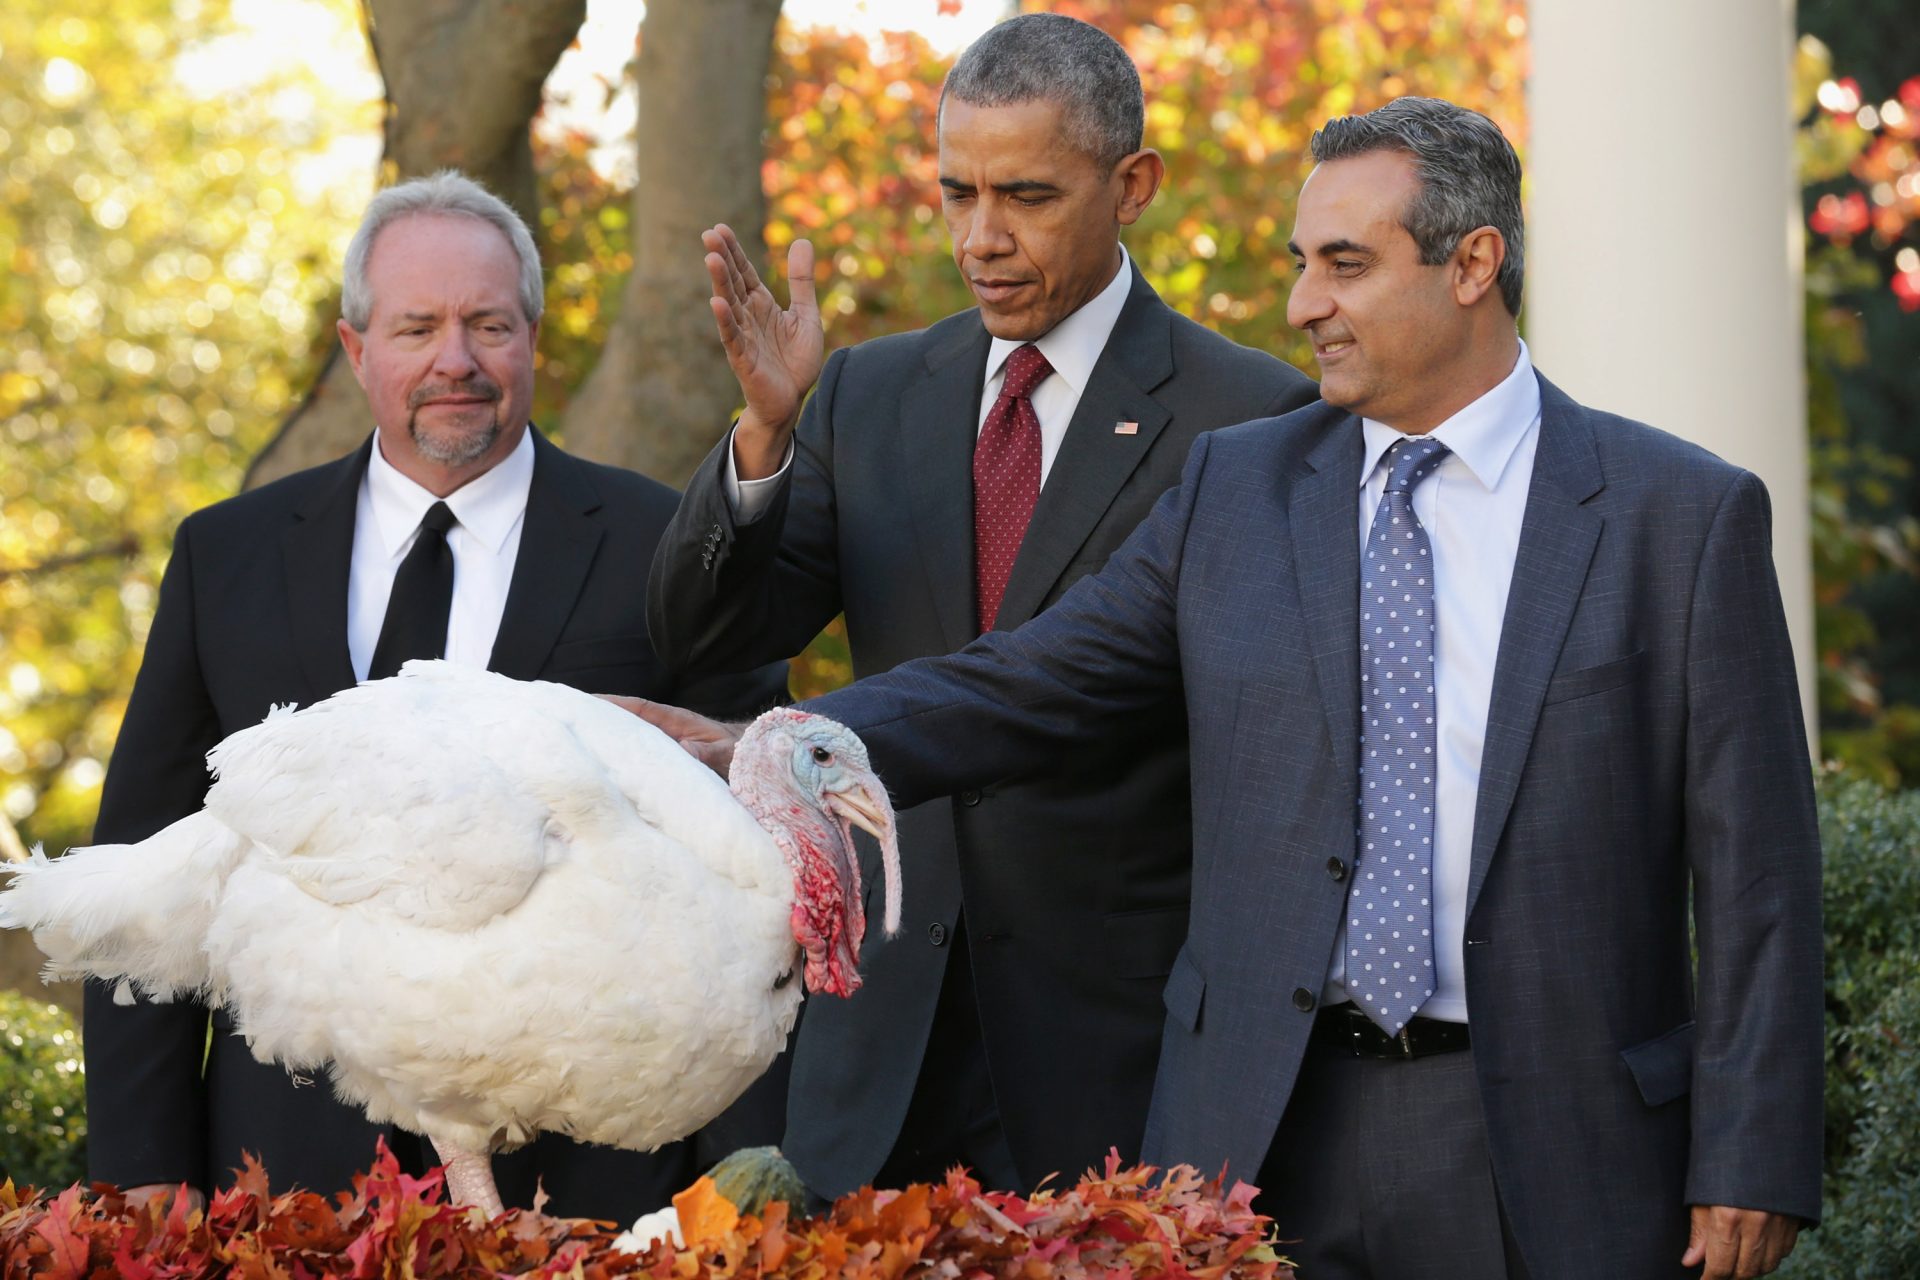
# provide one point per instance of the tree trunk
(661, 393)
(463, 83)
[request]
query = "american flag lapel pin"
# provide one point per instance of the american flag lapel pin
(1126, 428)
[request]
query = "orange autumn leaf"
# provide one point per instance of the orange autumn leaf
(1123, 1224)
(775, 1243)
(706, 1216)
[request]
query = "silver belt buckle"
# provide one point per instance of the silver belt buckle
(1405, 1039)
(1357, 1033)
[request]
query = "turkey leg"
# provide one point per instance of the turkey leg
(469, 1176)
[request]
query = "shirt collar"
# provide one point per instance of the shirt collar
(1074, 345)
(486, 506)
(1483, 435)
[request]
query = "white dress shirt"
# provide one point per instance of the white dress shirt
(1471, 507)
(489, 511)
(1072, 347)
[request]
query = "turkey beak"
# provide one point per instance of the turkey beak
(865, 805)
(859, 809)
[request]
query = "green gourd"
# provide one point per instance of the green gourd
(753, 1176)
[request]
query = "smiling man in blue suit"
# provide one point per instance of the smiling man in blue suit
(1485, 689)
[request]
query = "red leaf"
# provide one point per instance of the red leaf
(68, 1248)
(1131, 1222)
(252, 1178)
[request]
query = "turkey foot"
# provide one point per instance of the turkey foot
(469, 1177)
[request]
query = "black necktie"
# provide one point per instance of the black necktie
(416, 621)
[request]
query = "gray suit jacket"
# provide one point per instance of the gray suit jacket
(1644, 738)
(1075, 885)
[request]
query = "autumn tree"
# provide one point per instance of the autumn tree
(1859, 154)
(460, 96)
(162, 253)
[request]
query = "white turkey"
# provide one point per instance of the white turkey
(489, 908)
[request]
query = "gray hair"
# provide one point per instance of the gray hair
(448, 193)
(1051, 57)
(1469, 177)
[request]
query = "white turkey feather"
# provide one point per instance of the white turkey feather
(485, 907)
(130, 912)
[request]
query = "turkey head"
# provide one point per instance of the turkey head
(807, 780)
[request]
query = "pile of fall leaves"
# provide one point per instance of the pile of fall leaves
(1125, 1225)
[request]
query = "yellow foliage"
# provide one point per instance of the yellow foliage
(168, 277)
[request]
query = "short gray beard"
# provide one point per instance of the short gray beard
(453, 449)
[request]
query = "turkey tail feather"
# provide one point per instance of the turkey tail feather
(128, 913)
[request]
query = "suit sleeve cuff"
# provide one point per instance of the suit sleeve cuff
(749, 499)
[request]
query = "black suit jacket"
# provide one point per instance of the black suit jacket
(252, 613)
(1075, 887)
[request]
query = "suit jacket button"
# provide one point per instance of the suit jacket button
(970, 798)
(937, 934)
(1303, 1000)
(1337, 869)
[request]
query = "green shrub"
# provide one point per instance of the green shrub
(1871, 1220)
(1871, 842)
(1872, 1226)
(43, 1119)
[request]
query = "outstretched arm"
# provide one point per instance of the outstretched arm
(1013, 702)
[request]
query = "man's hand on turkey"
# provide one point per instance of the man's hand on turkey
(708, 741)
(775, 355)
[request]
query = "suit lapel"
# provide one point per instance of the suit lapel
(1324, 520)
(1094, 462)
(1557, 538)
(317, 554)
(557, 545)
(939, 418)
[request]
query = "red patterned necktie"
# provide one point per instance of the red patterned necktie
(1006, 479)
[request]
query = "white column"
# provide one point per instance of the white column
(1663, 238)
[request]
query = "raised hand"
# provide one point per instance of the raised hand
(775, 354)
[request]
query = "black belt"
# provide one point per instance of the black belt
(1344, 1028)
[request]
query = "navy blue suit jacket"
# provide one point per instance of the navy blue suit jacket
(1644, 738)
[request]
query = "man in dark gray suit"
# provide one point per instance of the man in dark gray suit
(939, 484)
(1485, 688)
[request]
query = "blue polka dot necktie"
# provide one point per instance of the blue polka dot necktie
(1390, 899)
